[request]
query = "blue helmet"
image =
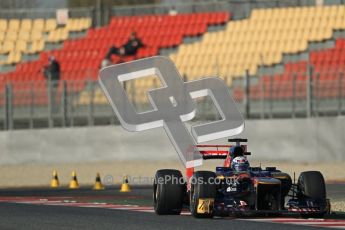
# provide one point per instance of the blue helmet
(240, 164)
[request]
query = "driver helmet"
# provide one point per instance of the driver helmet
(240, 164)
(236, 151)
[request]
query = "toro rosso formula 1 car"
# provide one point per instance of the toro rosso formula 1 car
(238, 189)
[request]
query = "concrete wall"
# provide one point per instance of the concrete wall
(317, 139)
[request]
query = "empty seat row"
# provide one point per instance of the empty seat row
(45, 25)
(22, 46)
(28, 24)
(167, 20)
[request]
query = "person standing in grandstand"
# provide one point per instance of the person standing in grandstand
(130, 48)
(52, 70)
(52, 74)
(173, 11)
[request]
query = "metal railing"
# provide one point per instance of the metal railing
(38, 104)
(292, 95)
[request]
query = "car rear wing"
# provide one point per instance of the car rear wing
(213, 151)
(217, 151)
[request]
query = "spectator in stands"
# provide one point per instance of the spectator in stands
(52, 75)
(173, 11)
(52, 70)
(130, 48)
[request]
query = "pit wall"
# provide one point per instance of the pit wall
(289, 140)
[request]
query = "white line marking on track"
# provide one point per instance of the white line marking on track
(329, 223)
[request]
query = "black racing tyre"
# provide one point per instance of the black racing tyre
(169, 190)
(311, 184)
(201, 188)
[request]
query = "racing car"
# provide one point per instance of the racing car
(237, 188)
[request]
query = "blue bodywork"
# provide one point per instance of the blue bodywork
(240, 197)
(254, 171)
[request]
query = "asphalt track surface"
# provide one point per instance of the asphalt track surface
(34, 216)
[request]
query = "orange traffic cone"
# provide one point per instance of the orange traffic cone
(73, 184)
(54, 183)
(125, 185)
(98, 183)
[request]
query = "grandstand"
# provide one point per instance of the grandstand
(201, 44)
(155, 31)
(80, 58)
(262, 39)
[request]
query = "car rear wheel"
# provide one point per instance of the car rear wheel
(202, 194)
(169, 190)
